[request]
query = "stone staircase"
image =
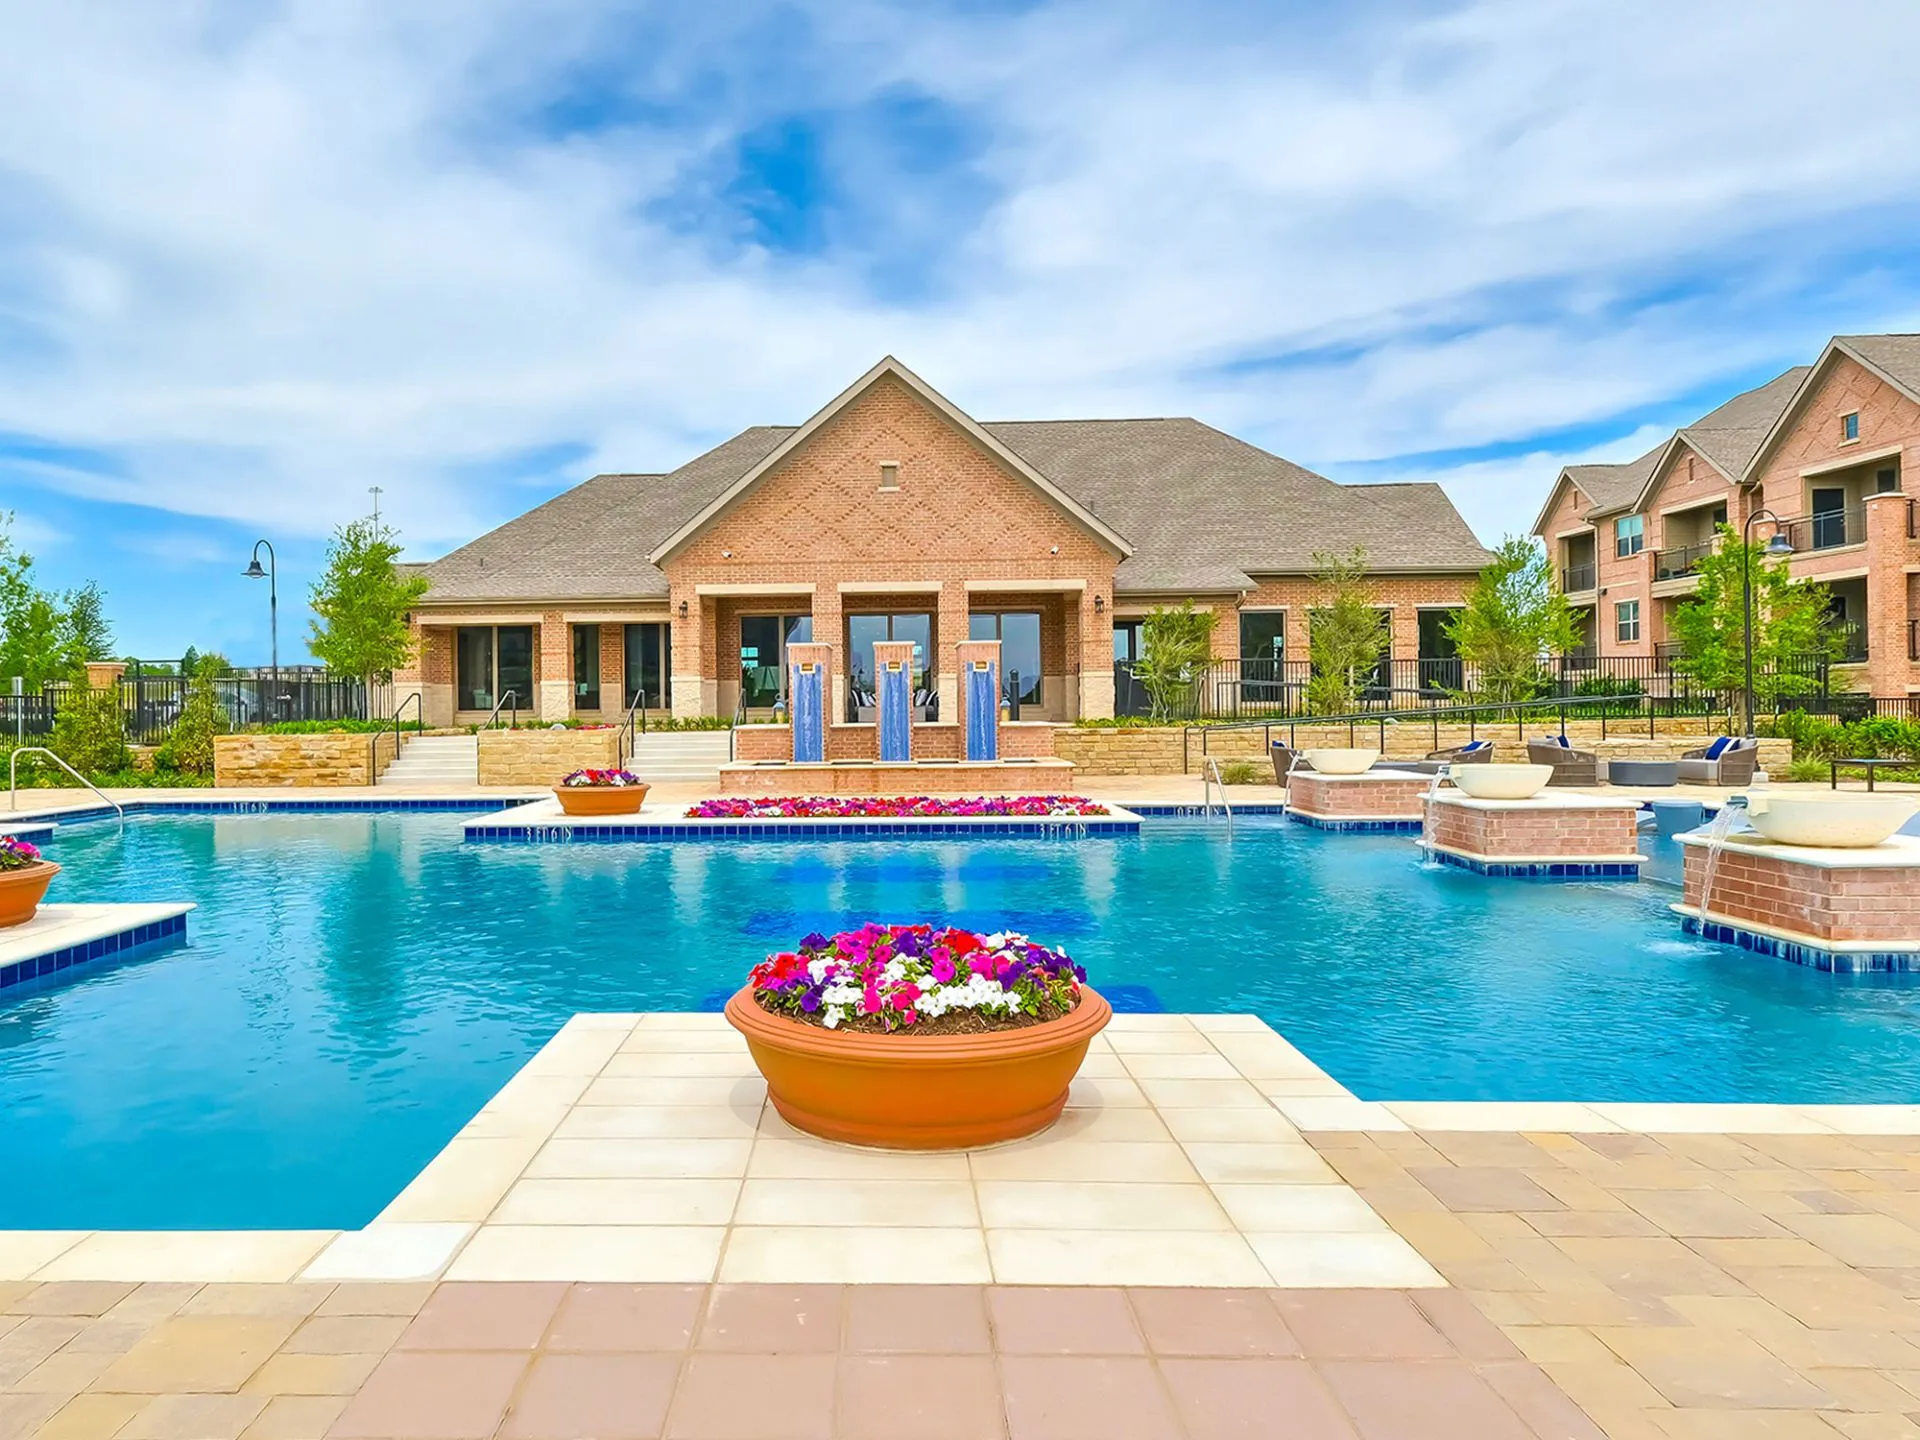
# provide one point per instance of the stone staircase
(679, 756)
(435, 760)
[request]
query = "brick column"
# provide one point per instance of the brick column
(809, 653)
(888, 653)
(553, 666)
(694, 688)
(613, 669)
(830, 629)
(1889, 671)
(1095, 655)
(950, 631)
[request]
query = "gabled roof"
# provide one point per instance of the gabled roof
(1728, 437)
(1608, 488)
(1894, 358)
(961, 421)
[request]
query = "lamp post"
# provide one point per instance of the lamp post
(272, 576)
(1778, 545)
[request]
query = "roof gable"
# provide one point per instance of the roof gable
(888, 367)
(1894, 359)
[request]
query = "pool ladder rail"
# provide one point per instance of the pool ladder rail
(1210, 776)
(13, 778)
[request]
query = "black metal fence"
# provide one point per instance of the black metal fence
(151, 703)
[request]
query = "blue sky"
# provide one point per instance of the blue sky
(257, 256)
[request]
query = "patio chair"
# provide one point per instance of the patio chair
(1726, 761)
(1474, 752)
(1570, 766)
(1286, 759)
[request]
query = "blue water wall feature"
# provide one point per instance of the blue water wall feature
(896, 711)
(983, 711)
(809, 715)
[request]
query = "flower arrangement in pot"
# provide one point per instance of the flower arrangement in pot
(24, 877)
(601, 792)
(918, 1037)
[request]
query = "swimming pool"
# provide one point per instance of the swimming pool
(357, 985)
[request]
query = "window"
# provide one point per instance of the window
(1629, 535)
(1886, 482)
(862, 632)
(889, 474)
(1128, 642)
(586, 667)
(1850, 426)
(649, 651)
(1018, 632)
(1626, 621)
(1263, 643)
(763, 656)
(490, 661)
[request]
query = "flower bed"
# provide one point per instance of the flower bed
(602, 780)
(17, 854)
(911, 807)
(942, 981)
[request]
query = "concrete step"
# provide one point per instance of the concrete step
(435, 760)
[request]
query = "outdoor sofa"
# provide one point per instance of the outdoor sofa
(1727, 761)
(1570, 766)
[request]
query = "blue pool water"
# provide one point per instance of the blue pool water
(356, 986)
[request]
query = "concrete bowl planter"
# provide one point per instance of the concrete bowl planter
(1836, 822)
(22, 890)
(601, 799)
(1501, 782)
(902, 1091)
(1342, 762)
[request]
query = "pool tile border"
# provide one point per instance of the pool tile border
(1795, 952)
(1540, 869)
(167, 923)
(1370, 825)
(549, 827)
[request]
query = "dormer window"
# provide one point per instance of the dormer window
(889, 474)
(1850, 426)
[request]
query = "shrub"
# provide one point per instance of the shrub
(1244, 772)
(332, 727)
(1805, 770)
(188, 751)
(90, 731)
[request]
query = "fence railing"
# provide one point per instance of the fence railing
(1827, 530)
(1574, 578)
(151, 704)
(1679, 561)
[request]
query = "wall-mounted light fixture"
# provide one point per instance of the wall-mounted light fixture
(683, 609)
(1099, 603)
(1054, 551)
(726, 554)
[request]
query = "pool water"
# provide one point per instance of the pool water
(355, 986)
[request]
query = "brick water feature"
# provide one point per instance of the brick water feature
(1375, 800)
(1552, 836)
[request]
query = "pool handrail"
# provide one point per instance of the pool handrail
(1210, 774)
(513, 714)
(373, 741)
(13, 778)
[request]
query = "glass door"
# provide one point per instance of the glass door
(513, 663)
(473, 652)
(586, 667)
(862, 632)
(1018, 632)
(648, 647)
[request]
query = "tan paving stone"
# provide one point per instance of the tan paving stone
(152, 1301)
(1770, 1252)
(1874, 1427)
(1693, 1213)
(376, 1298)
(1567, 1344)
(198, 1353)
(1693, 1367)
(108, 1336)
(296, 1417)
(1856, 1388)
(1594, 1386)
(1465, 1189)
(1860, 1239)
(21, 1415)
(285, 1374)
(1744, 1425)
(298, 1300)
(93, 1416)
(194, 1417)
(1834, 1300)
(32, 1341)
(1655, 1266)
(67, 1373)
(346, 1335)
(71, 1297)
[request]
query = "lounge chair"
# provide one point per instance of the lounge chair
(1477, 752)
(1286, 759)
(1570, 766)
(1726, 761)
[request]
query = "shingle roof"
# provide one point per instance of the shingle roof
(1203, 510)
(1614, 487)
(1730, 436)
(1897, 356)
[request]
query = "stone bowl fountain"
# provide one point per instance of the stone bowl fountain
(1501, 782)
(1830, 822)
(1342, 762)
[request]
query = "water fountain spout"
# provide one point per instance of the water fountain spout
(1442, 771)
(1731, 814)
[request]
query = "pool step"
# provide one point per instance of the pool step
(680, 755)
(436, 760)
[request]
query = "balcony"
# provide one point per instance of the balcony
(1678, 562)
(1853, 643)
(1576, 578)
(1828, 530)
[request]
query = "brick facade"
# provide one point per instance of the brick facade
(1879, 904)
(1565, 828)
(1372, 796)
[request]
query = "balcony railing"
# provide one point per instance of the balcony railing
(1575, 578)
(1828, 530)
(1853, 643)
(1678, 562)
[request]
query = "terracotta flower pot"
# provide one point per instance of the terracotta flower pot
(601, 799)
(21, 891)
(913, 1092)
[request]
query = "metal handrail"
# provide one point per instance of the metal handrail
(373, 740)
(627, 742)
(513, 723)
(13, 778)
(1211, 776)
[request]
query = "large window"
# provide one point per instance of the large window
(586, 667)
(648, 652)
(1629, 536)
(1018, 632)
(1129, 643)
(491, 660)
(863, 632)
(1263, 643)
(763, 656)
(1440, 667)
(1626, 621)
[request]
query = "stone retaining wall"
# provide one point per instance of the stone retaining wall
(544, 757)
(300, 760)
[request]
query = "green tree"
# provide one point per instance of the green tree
(1513, 618)
(88, 635)
(189, 748)
(1791, 629)
(33, 626)
(1346, 633)
(90, 730)
(1176, 648)
(360, 604)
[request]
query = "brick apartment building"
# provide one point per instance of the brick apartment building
(892, 515)
(1823, 448)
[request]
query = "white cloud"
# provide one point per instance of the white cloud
(269, 255)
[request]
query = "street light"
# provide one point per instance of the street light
(272, 576)
(1778, 545)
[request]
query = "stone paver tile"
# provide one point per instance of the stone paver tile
(1690, 1213)
(1538, 1401)
(108, 1336)
(92, 1416)
(843, 1202)
(919, 1397)
(1590, 1222)
(22, 1415)
(1597, 1387)
(1744, 1425)
(1561, 1343)
(828, 1254)
(1871, 1427)
(1770, 1252)
(1465, 1325)
(241, 1299)
(1245, 1399)
(377, 1297)
(593, 1397)
(66, 1373)
(1056, 1397)
(1860, 1389)
(1042, 1320)
(433, 1395)
(194, 1417)
(1807, 1349)
(1431, 1399)
(773, 1319)
(627, 1253)
(753, 1397)
(286, 1374)
(649, 1201)
(1040, 1204)
(1833, 1300)
(1135, 1257)
(1360, 1324)
(479, 1316)
(1381, 1259)
(1207, 1322)
(1465, 1189)
(1860, 1239)
(1699, 1368)
(198, 1353)
(1661, 1266)
(390, 1251)
(296, 1417)
(917, 1319)
(627, 1317)
(190, 1255)
(31, 1341)
(346, 1335)
(71, 1297)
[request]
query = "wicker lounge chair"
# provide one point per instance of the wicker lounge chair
(1726, 761)
(1286, 759)
(1475, 752)
(1570, 766)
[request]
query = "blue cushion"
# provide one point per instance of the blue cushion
(1564, 743)
(1476, 745)
(1719, 747)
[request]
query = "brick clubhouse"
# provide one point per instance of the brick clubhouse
(891, 515)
